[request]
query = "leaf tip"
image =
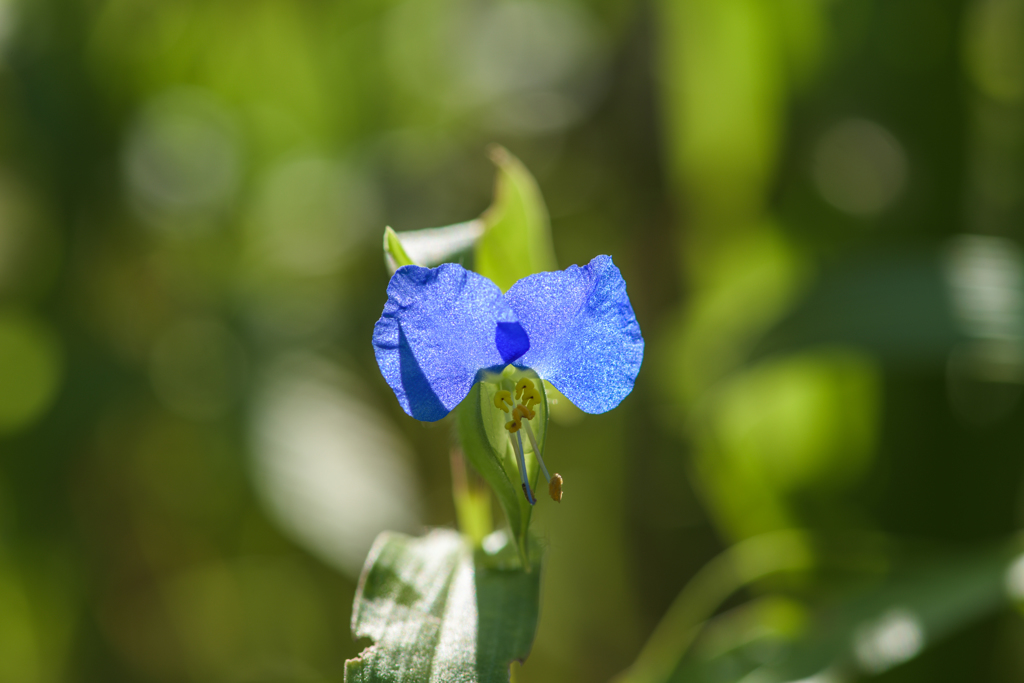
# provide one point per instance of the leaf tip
(498, 154)
(394, 253)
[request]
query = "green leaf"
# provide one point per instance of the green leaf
(394, 252)
(517, 239)
(487, 446)
(438, 612)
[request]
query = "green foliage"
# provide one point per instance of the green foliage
(486, 444)
(517, 238)
(913, 305)
(786, 434)
(874, 629)
(742, 564)
(863, 633)
(438, 612)
(888, 621)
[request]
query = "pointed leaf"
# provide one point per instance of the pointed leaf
(394, 253)
(517, 240)
(438, 613)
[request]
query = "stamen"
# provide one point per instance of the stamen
(526, 392)
(555, 488)
(524, 384)
(503, 401)
(531, 396)
(536, 450)
(521, 461)
(518, 414)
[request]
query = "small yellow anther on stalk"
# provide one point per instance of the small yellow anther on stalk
(526, 392)
(503, 401)
(531, 397)
(518, 414)
(523, 384)
(555, 488)
(524, 411)
(515, 424)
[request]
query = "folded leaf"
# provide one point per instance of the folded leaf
(430, 247)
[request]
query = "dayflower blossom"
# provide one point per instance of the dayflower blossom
(445, 328)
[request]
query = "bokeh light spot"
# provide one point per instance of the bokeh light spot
(985, 375)
(30, 370)
(986, 281)
(309, 214)
(182, 162)
(896, 637)
(331, 469)
(859, 167)
(1014, 579)
(530, 67)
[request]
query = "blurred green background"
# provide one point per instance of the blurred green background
(816, 205)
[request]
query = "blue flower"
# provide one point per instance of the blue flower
(443, 329)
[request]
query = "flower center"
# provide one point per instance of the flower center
(529, 397)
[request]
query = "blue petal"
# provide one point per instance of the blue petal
(440, 327)
(584, 337)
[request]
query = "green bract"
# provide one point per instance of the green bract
(486, 444)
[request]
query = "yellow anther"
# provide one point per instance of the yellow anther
(523, 385)
(525, 411)
(503, 401)
(526, 389)
(531, 397)
(555, 488)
